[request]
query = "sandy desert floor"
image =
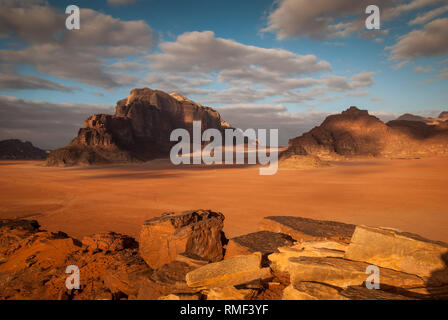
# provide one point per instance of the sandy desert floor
(411, 195)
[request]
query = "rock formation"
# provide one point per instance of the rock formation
(139, 130)
(14, 149)
(356, 133)
(327, 267)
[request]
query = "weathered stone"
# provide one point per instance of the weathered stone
(279, 262)
(198, 233)
(194, 262)
(233, 271)
(401, 251)
(229, 293)
(362, 293)
(109, 241)
(311, 291)
(265, 242)
(169, 279)
(344, 273)
(304, 229)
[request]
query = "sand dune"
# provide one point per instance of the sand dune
(406, 194)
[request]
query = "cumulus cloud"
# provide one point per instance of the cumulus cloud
(47, 125)
(428, 16)
(320, 20)
(79, 54)
(22, 81)
(427, 42)
(325, 19)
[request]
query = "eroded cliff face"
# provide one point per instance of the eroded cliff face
(355, 132)
(138, 131)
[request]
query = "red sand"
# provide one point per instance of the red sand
(410, 195)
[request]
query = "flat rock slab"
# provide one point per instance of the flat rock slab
(230, 293)
(234, 271)
(279, 261)
(198, 233)
(311, 291)
(344, 273)
(401, 251)
(304, 229)
(265, 242)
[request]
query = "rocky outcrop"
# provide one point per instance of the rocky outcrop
(305, 229)
(14, 149)
(195, 233)
(33, 264)
(400, 251)
(443, 115)
(356, 133)
(139, 130)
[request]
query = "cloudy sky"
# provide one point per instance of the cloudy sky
(265, 64)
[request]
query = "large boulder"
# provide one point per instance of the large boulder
(196, 233)
(305, 229)
(344, 273)
(401, 251)
(237, 270)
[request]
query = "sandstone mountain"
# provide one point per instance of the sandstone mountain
(355, 132)
(138, 131)
(14, 149)
(429, 120)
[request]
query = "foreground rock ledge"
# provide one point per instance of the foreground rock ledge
(195, 233)
(401, 251)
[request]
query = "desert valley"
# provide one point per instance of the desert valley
(265, 152)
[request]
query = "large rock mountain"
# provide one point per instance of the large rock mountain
(355, 132)
(138, 131)
(14, 149)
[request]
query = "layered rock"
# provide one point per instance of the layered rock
(305, 229)
(139, 130)
(343, 273)
(355, 133)
(265, 242)
(195, 233)
(14, 149)
(234, 271)
(401, 251)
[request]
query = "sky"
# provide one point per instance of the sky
(282, 64)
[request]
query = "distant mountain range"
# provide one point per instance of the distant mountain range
(14, 149)
(355, 132)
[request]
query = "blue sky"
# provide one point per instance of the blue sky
(170, 45)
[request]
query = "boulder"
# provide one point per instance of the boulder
(344, 273)
(401, 251)
(265, 242)
(198, 233)
(234, 271)
(311, 291)
(230, 293)
(304, 229)
(109, 241)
